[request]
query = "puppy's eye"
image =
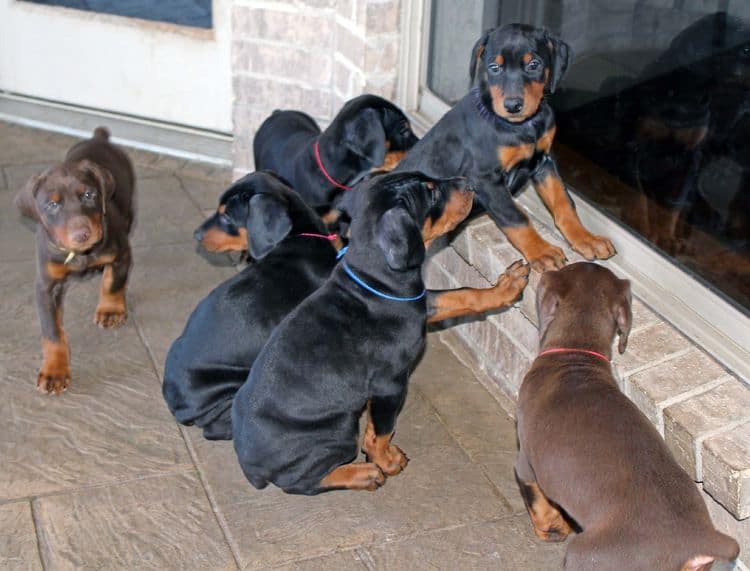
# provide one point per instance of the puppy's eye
(533, 65)
(52, 206)
(89, 194)
(494, 68)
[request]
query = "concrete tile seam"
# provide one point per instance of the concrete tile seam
(698, 443)
(211, 499)
(117, 482)
(41, 537)
(192, 200)
(659, 361)
(364, 557)
(495, 490)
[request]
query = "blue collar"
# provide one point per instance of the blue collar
(356, 279)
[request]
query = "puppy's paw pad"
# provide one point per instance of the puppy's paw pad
(372, 479)
(394, 462)
(552, 258)
(107, 318)
(594, 247)
(52, 383)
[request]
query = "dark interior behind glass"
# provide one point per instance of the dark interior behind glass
(653, 116)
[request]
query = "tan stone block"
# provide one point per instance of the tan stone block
(518, 327)
(18, 546)
(686, 423)
(384, 86)
(301, 64)
(297, 28)
(461, 272)
(726, 469)
(726, 523)
(268, 95)
(656, 387)
(382, 17)
(350, 45)
(650, 344)
(382, 57)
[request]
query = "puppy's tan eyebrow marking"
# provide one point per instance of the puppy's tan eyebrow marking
(499, 60)
(527, 58)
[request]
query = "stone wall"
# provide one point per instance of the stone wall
(311, 55)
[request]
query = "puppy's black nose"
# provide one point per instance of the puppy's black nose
(513, 105)
(198, 234)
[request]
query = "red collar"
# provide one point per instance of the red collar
(316, 152)
(329, 237)
(565, 350)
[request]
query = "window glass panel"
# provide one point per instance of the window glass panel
(653, 116)
(195, 13)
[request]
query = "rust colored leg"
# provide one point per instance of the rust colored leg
(542, 255)
(388, 457)
(557, 200)
(355, 476)
(111, 310)
(469, 301)
(549, 524)
(54, 375)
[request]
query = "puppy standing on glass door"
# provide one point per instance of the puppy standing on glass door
(499, 136)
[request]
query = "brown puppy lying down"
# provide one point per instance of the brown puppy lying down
(588, 454)
(83, 208)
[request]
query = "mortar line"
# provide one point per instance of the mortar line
(193, 458)
(698, 443)
(39, 532)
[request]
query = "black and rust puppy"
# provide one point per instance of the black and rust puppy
(84, 211)
(209, 362)
(500, 135)
(587, 453)
(293, 256)
(368, 133)
(296, 419)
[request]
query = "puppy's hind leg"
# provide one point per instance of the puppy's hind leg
(549, 524)
(354, 476)
(382, 412)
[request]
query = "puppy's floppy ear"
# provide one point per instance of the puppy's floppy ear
(400, 239)
(365, 137)
(25, 200)
(476, 54)
(268, 223)
(623, 314)
(547, 300)
(104, 179)
(560, 56)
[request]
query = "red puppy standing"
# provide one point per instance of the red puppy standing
(84, 212)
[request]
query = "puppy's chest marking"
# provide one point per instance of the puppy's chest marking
(511, 156)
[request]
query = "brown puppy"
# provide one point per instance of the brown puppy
(84, 211)
(586, 450)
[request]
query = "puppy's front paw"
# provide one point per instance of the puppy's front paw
(511, 284)
(554, 534)
(393, 461)
(53, 381)
(110, 317)
(546, 258)
(593, 247)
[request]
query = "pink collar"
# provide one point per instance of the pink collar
(329, 237)
(316, 152)
(565, 350)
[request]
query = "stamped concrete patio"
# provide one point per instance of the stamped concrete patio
(103, 478)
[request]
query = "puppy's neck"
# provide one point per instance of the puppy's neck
(584, 330)
(371, 268)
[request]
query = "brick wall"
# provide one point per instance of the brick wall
(311, 55)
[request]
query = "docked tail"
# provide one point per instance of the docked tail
(715, 546)
(101, 133)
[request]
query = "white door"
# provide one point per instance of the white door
(168, 72)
